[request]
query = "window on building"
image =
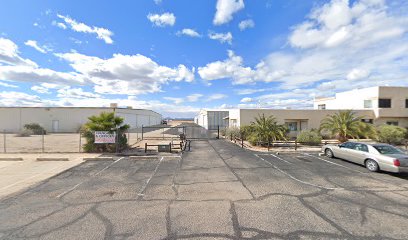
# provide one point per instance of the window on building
(321, 106)
(367, 120)
(292, 126)
(393, 123)
(384, 103)
(368, 104)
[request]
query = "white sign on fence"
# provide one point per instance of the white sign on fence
(105, 137)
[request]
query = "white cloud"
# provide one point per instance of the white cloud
(230, 68)
(221, 37)
(247, 100)
(165, 19)
(225, 10)
(68, 92)
(59, 24)
(44, 88)
(101, 33)
(9, 54)
(5, 84)
(216, 96)
(126, 74)
(174, 99)
(194, 97)
(34, 44)
(249, 23)
(370, 49)
(157, 2)
(18, 99)
(189, 32)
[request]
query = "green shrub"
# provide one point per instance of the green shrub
(24, 133)
(232, 131)
(309, 137)
(391, 134)
(247, 131)
(35, 128)
(104, 122)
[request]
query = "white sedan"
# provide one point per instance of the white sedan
(374, 157)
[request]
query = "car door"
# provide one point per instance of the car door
(344, 150)
(358, 153)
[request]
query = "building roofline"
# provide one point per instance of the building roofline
(118, 108)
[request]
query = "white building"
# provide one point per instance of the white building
(70, 119)
(377, 105)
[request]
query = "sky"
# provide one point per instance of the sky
(179, 56)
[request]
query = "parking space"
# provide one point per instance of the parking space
(216, 191)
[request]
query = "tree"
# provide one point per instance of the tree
(267, 129)
(104, 122)
(391, 134)
(345, 125)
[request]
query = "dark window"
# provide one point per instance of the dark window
(367, 120)
(406, 103)
(360, 147)
(384, 103)
(321, 106)
(393, 123)
(292, 126)
(349, 145)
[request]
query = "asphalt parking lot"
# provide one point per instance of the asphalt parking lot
(216, 191)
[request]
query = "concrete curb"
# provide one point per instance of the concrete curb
(143, 157)
(11, 159)
(99, 159)
(52, 159)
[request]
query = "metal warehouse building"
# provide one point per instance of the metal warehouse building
(70, 119)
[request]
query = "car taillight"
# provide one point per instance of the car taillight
(397, 163)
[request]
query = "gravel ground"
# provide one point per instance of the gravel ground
(216, 191)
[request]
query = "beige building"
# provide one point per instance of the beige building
(377, 105)
(70, 119)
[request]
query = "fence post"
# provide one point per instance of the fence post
(4, 138)
(163, 133)
(142, 132)
(170, 147)
(268, 145)
(117, 141)
(80, 141)
(145, 147)
(231, 137)
(42, 140)
(218, 131)
(295, 145)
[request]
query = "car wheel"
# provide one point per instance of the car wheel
(329, 153)
(372, 165)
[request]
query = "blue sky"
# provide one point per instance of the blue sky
(179, 56)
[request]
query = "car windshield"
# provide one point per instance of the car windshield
(384, 149)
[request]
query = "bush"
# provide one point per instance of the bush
(246, 131)
(391, 134)
(35, 128)
(104, 122)
(24, 133)
(234, 131)
(309, 137)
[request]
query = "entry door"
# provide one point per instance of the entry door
(55, 125)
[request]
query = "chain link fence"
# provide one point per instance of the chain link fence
(13, 142)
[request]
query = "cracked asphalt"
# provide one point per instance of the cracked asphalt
(216, 191)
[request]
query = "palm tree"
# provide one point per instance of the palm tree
(268, 129)
(345, 125)
(104, 122)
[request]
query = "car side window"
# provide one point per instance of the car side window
(348, 145)
(361, 147)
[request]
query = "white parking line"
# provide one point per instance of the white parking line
(79, 184)
(150, 178)
(292, 177)
(322, 159)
